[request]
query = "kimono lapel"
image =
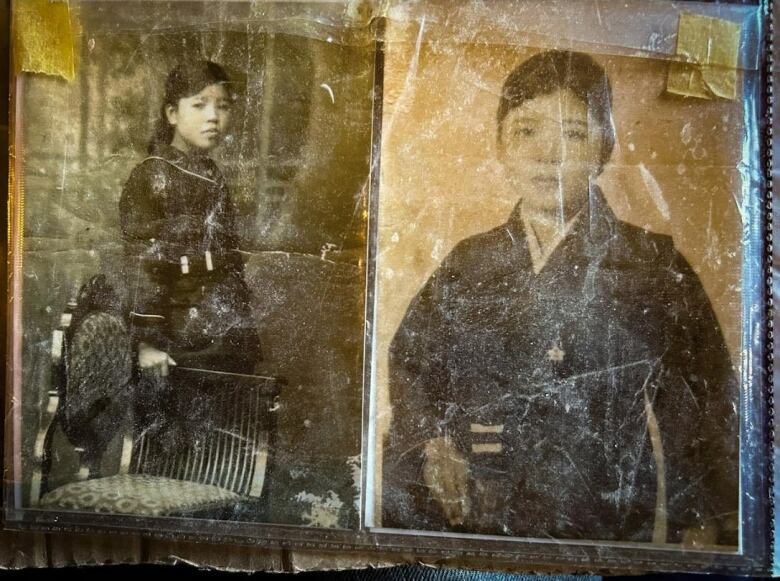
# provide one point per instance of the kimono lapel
(586, 242)
(519, 253)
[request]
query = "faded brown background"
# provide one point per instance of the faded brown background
(296, 161)
(675, 169)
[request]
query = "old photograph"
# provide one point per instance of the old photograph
(193, 265)
(449, 282)
(559, 262)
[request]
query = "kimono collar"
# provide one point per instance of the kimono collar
(196, 164)
(595, 224)
(540, 254)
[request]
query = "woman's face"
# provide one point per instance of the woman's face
(550, 152)
(201, 120)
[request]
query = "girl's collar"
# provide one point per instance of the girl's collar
(196, 164)
(170, 153)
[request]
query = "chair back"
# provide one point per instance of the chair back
(216, 430)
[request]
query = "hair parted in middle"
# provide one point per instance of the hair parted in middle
(555, 70)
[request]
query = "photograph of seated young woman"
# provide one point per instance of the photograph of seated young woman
(562, 375)
(189, 304)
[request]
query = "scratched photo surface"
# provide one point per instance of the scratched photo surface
(559, 260)
(193, 264)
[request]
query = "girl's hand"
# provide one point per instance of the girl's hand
(445, 473)
(152, 358)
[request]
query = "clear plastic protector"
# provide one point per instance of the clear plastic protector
(514, 306)
(472, 281)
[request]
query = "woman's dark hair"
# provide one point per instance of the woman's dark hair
(555, 70)
(185, 80)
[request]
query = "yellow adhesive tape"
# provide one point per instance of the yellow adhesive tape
(43, 38)
(709, 48)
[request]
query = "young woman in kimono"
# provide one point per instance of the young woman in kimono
(562, 375)
(189, 302)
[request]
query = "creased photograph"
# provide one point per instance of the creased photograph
(559, 260)
(193, 264)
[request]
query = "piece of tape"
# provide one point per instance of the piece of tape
(709, 52)
(43, 38)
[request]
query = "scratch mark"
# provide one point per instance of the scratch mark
(690, 391)
(412, 72)
(655, 191)
(577, 470)
(514, 243)
(326, 86)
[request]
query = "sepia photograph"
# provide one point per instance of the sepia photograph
(192, 266)
(427, 280)
(561, 226)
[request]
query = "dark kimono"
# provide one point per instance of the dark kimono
(187, 293)
(587, 399)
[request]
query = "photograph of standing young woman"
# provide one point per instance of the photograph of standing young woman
(189, 303)
(562, 375)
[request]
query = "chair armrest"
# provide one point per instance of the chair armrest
(264, 385)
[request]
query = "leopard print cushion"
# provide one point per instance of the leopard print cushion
(136, 494)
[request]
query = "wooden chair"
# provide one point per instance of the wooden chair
(204, 452)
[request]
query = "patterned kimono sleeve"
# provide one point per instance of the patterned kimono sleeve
(698, 412)
(142, 221)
